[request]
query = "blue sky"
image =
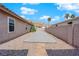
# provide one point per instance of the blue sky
(39, 12)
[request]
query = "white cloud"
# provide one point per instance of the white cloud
(23, 16)
(55, 18)
(52, 19)
(68, 6)
(44, 17)
(29, 11)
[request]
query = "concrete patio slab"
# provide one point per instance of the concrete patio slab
(35, 48)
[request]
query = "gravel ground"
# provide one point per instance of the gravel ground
(13, 52)
(63, 52)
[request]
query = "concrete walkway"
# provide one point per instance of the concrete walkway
(36, 43)
(40, 36)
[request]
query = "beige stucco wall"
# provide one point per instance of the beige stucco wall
(67, 32)
(63, 32)
(76, 35)
(20, 27)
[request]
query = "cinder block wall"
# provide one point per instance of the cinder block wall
(66, 32)
(62, 32)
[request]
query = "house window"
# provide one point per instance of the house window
(11, 24)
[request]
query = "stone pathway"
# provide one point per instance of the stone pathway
(38, 47)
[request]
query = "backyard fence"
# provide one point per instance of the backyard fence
(66, 32)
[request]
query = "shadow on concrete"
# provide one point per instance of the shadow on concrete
(13, 52)
(63, 52)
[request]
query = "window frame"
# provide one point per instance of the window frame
(9, 24)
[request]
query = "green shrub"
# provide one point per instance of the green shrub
(33, 29)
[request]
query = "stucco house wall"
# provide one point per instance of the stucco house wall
(19, 27)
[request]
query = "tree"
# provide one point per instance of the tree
(72, 16)
(33, 29)
(49, 19)
(67, 16)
